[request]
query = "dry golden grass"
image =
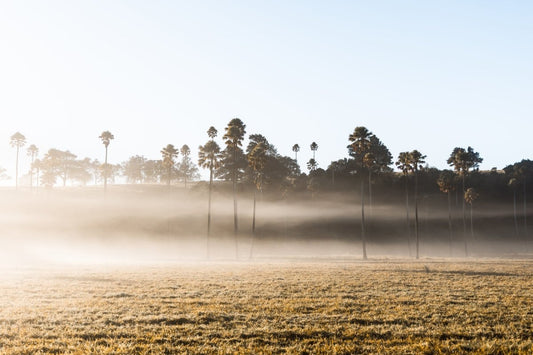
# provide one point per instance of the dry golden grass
(483, 307)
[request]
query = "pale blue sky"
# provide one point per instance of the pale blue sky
(426, 75)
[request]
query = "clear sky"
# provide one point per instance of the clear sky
(426, 75)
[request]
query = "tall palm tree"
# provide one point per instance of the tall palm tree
(470, 196)
(18, 141)
(417, 159)
(296, 149)
(462, 161)
(513, 184)
(185, 152)
(256, 160)
(235, 131)
(32, 153)
(447, 185)
(360, 144)
(106, 138)
(169, 153)
(404, 164)
(209, 157)
(314, 148)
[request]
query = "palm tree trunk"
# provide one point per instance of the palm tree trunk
(464, 218)
(515, 214)
(525, 214)
(209, 209)
(235, 221)
(363, 236)
(472, 220)
(450, 222)
(253, 226)
(370, 191)
(407, 214)
(17, 170)
(105, 171)
(417, 239)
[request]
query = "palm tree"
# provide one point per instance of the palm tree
(18, 141)
(256, 160)
(404, 164)
(185, 152)
(169, 153)
(416, 161)
(447, 185)
(32, 153)
(314, 148)
(513, 184)
(462, 161)
(235, 131)
(360, 144)
(106, 138)
(209, 157)
(312, 165)
(470, 196)
(296, 149)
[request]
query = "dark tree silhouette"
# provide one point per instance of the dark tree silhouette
(209, 158)
(17, 141)
(360, 145)
(416, 161)
(314, 148)
(404, 164)
(257, 159)
(169, 154)
(186, 169)
(463, 161)
(470, 196)
(312, 165)
(235, 131)
(32, 153)
(447, 185)
(296, 149)
(106, 138)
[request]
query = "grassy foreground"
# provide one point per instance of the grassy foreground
(339, 307)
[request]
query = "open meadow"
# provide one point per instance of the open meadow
(271, 306)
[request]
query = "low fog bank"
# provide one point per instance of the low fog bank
(146, 224)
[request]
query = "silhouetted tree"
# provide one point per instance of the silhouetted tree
(187, 170)
(209, 158)
(257, 159)
(169, 153)
(447, 185)
(235, 131)
(463, 161)
(296, 149)
(32, 153)
(106, 138)
(470, 196)
(314, 148)
(18, 141)
(360, 145)
(417, 161)
(312, 165)
(133, 169)
(404, 164)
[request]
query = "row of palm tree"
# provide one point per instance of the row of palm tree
(369, 157)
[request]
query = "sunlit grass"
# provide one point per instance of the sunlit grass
(331, 307)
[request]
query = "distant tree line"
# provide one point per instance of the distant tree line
(366, 169)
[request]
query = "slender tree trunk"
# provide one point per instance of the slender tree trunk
(472, 220)
(105, 171)
(31, 172)
(370, 191)
(17, 170)
(408, 223)
(363, 236)
(253, 226)
(464, 219)
(235, 222)
(417, 237)
(296, 157)
(209, 209)
(515, 214)
(526, 236)
(450, 223)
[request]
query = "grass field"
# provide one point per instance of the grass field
(335, 306)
